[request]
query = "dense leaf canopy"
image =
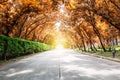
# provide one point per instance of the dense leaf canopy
(72, 23)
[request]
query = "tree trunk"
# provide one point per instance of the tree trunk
(98, 34)
(116, 40)
(84, 45)
(91, 47)
(33, 37)
(94, 47)
(21, 26)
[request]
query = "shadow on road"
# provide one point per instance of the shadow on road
(62, 64)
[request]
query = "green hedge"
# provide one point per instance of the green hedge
(17, 47)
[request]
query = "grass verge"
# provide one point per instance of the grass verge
(103, 55)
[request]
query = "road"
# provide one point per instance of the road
(61, 65)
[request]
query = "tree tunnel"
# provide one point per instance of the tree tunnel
(71, 23)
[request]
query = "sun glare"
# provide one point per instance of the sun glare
(60, 46)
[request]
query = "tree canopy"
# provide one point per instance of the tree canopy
(73, 23)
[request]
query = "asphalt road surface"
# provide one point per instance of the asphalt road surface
(61, 65)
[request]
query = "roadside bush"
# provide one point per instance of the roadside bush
(18, 47)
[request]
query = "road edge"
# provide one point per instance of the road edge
(102, 57)
(2, 63)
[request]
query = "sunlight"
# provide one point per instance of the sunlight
(62, 8)
(60, 46)
(58, 24)
(18, 73)
(91, 72)
(10, 0)
(59, 49)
